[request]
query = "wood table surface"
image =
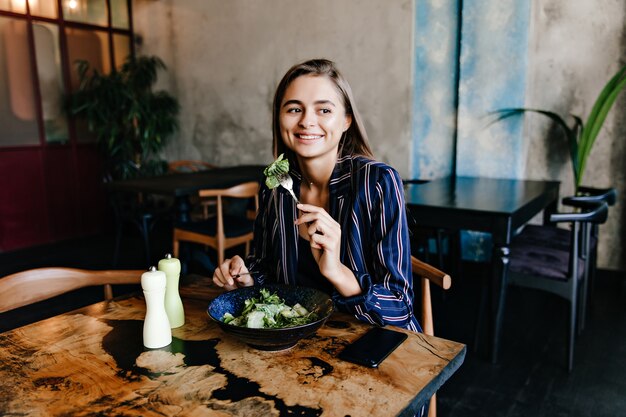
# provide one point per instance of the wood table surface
(92, 362)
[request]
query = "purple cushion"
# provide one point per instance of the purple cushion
(547, 236)
(531, 259)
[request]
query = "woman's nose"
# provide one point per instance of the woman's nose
(307, 119)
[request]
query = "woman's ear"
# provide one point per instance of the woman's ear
(348, 122)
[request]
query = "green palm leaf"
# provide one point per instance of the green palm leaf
(596, 119)
(580, 137)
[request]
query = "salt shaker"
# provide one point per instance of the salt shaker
(156, 326)
(173, 303)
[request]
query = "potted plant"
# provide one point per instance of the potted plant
(132, 123)
(580, 136)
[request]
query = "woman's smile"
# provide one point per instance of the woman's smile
(308, 137)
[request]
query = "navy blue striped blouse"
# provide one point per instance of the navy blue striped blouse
(367, 200)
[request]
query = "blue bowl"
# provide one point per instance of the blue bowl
(271, 339)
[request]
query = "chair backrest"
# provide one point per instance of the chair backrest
(189, 166)
(245, 190)
(597, 195)
(28, 287)
(428, 274)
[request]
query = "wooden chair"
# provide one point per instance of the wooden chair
(428, 274)
(28, 287)
(207, 204)
(224, 231)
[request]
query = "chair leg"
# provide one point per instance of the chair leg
(571, 334)
(175, 247)
(108, 292)
(440, 237)
(582, 307)
(176, 254)
(482, 310)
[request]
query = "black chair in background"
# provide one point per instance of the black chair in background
(547, 264)
(593, 195)
(143, 213)
(558, 238)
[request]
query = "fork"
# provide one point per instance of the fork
(287, 183)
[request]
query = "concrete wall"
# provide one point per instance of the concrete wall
(226, 57)
(435, 94)
(575, 48)
(493, 69)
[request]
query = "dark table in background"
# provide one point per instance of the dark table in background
(183, 185)
(495, 206)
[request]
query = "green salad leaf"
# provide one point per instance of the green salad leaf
(275, 170)
(269, 311)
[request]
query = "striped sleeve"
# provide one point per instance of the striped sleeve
(387, 291)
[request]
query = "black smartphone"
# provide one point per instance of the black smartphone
(373, 347)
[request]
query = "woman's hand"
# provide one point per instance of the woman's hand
(324, 235)
(325, 238)
(224, 275)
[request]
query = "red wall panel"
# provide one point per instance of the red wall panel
(60, 182)
(91, 194)
(49, 194)
(23, 212)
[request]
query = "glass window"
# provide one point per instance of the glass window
(45, 8)
(17, 6)
(18, 112)
(119, 14)
(23, 82)
(50, 81)
(88, 45)
(121, 46)
(93, 47)
(86, 11)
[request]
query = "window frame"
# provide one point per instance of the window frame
(66, 66)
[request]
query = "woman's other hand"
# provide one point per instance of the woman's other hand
(232, 274)
(324, 235)
(325, 238)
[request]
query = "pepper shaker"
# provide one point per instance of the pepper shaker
(156, 326)
(173, 303)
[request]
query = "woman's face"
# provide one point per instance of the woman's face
(312, 117)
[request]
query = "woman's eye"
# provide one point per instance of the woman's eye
(294, 110)
(324, 111)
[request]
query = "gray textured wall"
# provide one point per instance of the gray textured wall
(225, 58)
(575, 48)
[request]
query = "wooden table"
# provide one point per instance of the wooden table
(496, 206)
(92, 362)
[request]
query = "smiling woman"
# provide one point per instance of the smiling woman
(346, 233)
